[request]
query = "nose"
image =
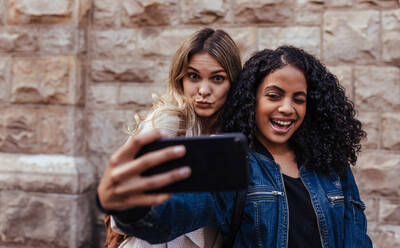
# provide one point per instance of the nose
(204, 89)
(286, 107)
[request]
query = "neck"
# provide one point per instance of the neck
(283, 155)
(209, 125)
(274, 149)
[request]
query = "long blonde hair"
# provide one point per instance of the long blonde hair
(222, 48)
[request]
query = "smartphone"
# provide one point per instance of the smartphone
(218, 163)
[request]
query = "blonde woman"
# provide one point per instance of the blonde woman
(201, 75)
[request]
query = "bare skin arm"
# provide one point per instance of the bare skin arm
(122, 186)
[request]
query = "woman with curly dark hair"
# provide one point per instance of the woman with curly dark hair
(303, 131)
(303, 136)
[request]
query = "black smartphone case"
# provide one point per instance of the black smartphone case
(218, 163)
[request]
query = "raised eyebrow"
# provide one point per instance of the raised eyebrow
(192, 68)
(300, 93)
(218, 71)
(274, 87)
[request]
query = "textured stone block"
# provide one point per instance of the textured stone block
(385, 236)
(99, 161)
(390, 35)
(309, 11)
(370, 122)
(343, 74)
(4, 78)
(106, 13)
(378, 173)
(107, 130)
(60, 218)
(103, 94)
(101, 234)
(150, 40)
(377, 88)
(82, 42)
(45, 80)
(149, 12)
(19, 39)
(61, 131)
(84, 10)
(378, 3)
(114, 43)
(46, 173)
(389, 211)
(3, 11)
(40, 11)
(18, 129)
(130, 70)
(262, 11)
(351, 36)
(139, 94)
(58, 40)
(205, 12)
(339, 3)
(390, 131)
(372, 207)
(307, 38)
(245, 39)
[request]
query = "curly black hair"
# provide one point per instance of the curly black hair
(329, 137)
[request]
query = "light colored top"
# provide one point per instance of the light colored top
(207, 237)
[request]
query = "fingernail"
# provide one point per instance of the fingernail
(179, 149)
(184, 171)
(163, 134)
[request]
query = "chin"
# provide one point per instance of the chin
(204, 114)
(277, 140)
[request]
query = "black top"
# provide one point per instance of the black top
(303, 227)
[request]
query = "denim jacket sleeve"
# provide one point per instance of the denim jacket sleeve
(354, 217)
(182, 213)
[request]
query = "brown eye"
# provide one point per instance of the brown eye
(193, 76)
(273, 96)
(299, 100)
(218, 79)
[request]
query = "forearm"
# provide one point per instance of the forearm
(181, 214)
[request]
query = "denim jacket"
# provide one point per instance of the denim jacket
(336, 202)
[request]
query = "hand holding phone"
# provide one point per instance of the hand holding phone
(218, 163)
(122, 186)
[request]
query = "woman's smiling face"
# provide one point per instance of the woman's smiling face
(281, 105)
(206, 84)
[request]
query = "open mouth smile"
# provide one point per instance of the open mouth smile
(282, 126)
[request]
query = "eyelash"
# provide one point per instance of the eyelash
(221, 78)
(192, 75)
(275, 97)
(216, 78)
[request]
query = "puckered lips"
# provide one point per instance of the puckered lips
(282, 125)
(203, 103)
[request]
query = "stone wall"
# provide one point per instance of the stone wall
(74, 72)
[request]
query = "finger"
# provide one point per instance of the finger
(147, 161)
(144, 184)
(128, 151)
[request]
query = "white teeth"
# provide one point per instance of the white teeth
(283, 123)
